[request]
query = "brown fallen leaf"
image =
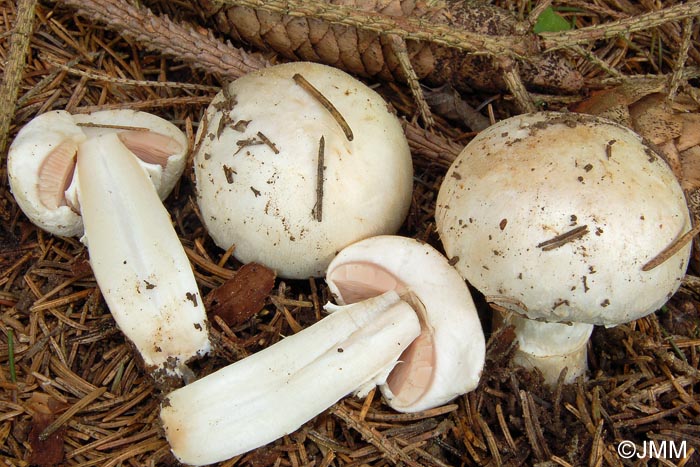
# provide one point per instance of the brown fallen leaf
(240, 297)
(613, 103)
(672, 127)
(49, 451)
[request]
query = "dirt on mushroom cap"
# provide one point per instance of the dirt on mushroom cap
(554, 215)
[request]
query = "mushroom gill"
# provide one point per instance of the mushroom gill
(149, 146)
(56, 174)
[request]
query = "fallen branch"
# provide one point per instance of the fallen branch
(161, 34)
(562, 39)
(9, 90)
(203, 51)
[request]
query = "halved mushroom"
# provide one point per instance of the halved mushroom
(40, 166)
(160, 146)
(415, 333)
(447, 358)
(41, 160)
(138, 261)
(564, 218)
(122, 157)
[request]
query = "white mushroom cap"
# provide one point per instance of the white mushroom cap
(50, 133)
(41, 160)
(265, 203)
(446, 360)
(533, 178)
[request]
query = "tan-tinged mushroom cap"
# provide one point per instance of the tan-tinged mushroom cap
(557, 217)
(447, 359)
(279, 176)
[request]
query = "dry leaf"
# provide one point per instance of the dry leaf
(673, 128)
(50, 451)
(613, 103)
(653, 118)
(690, 133)
(240, 297)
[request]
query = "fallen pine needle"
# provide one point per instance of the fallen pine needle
(11, 355)
(65, 416)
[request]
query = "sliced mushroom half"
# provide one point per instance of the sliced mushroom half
(413, 330)
(104, 174)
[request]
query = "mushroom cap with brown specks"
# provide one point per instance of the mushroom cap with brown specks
(257, 168)
(554, 215)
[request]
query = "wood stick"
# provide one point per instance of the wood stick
(16, 60)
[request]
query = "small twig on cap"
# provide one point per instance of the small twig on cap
(672, 249)
(111, 126)
(564, 238)
(323, 100)
(318, 208)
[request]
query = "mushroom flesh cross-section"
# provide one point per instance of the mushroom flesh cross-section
(416, 334)
(103, 175)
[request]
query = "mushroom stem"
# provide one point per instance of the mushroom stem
(138, 260)
(273, 392)
(549, 347)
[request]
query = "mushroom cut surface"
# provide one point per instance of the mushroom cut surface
(446, 359)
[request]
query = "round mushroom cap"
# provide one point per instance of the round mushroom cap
(261, 183)
(447, 359)
(554, 216)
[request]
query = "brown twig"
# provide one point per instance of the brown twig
(671, 249)
(564, 238)
(678, 67)
(12, 76)
(323, 100)
(318, 208)
(161, 34)
(562, 39)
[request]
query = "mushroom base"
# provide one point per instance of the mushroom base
(549, 347)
